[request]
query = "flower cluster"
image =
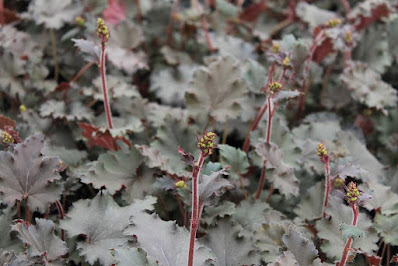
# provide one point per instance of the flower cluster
(206, 143)
(102, 31)
(286, 61)
(80, 21)
(333, 23)
(274, 87)
(321, 150)
(6, 138)
(276, 48)
(338, 182)
(180, 184)
(352, 193)
(348, 37)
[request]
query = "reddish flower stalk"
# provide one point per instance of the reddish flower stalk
(204, 26)
(206, 146)
(352, 199)
(346, 6)
(325, 159)
(103, 33)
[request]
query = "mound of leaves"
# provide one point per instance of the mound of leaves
(272, 79)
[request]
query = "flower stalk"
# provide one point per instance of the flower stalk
(206, 146)
(352, 198)
(103, 34)
(325, 159)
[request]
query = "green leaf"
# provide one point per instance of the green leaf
(170, 84)
(9, 258)
(368, 88)
(165, 241)
(351, 231)
(70, 157)
(231, 244)
(383, 199)
(287, 258)
(328, 229)
(126, 35)
(212, 213)
(114, 170)
(255, 76)
(313, 15)
(251, 213)
(211, 186)
(90, 51)
(41, 240)
(235, 158)
(6, 241)
(228, 45)
(373, 48)
(127, 256)
(53, 14)
(343, 168)
(283, 177)
(75, 111)
(387, 227)
(310, 206)
(163, 151)
(102, 221)
(217, 90)
(303, 249)
(26, 174)
(268, 238)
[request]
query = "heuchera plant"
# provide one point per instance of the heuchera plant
(213, 132)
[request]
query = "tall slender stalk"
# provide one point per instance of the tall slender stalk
(352, 198)
(103, 33)
(105, 89)
(325, 159)
(206, 145)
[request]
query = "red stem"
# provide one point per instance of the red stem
(318, 39)
(105, 89)
(269, 124)
(327, 188)
(347, 248)
(173, 12)
(195, 208)
(61, 217)
(81, 72)
(346, 6)
(261, 183)
(2, 13)
(204, 26)
(261, 111)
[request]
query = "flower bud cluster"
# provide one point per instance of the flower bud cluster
(286, 61)
(333, 23)
(206, 143)
(6, 137)
(276, 48)
(274, 87)
(181, 184)
(338, 182)
(352, 193)
(102, 31)
(321, 150)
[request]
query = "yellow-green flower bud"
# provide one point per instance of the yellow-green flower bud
(181, 184)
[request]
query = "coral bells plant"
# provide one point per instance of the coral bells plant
(100, 163)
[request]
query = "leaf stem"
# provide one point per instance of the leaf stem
(2, 13)
(195, 207)
(204, 26)
(54, 50)
(105, 88)
(346, 6)
(261, 183)
(270, 115)
(81, 72)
